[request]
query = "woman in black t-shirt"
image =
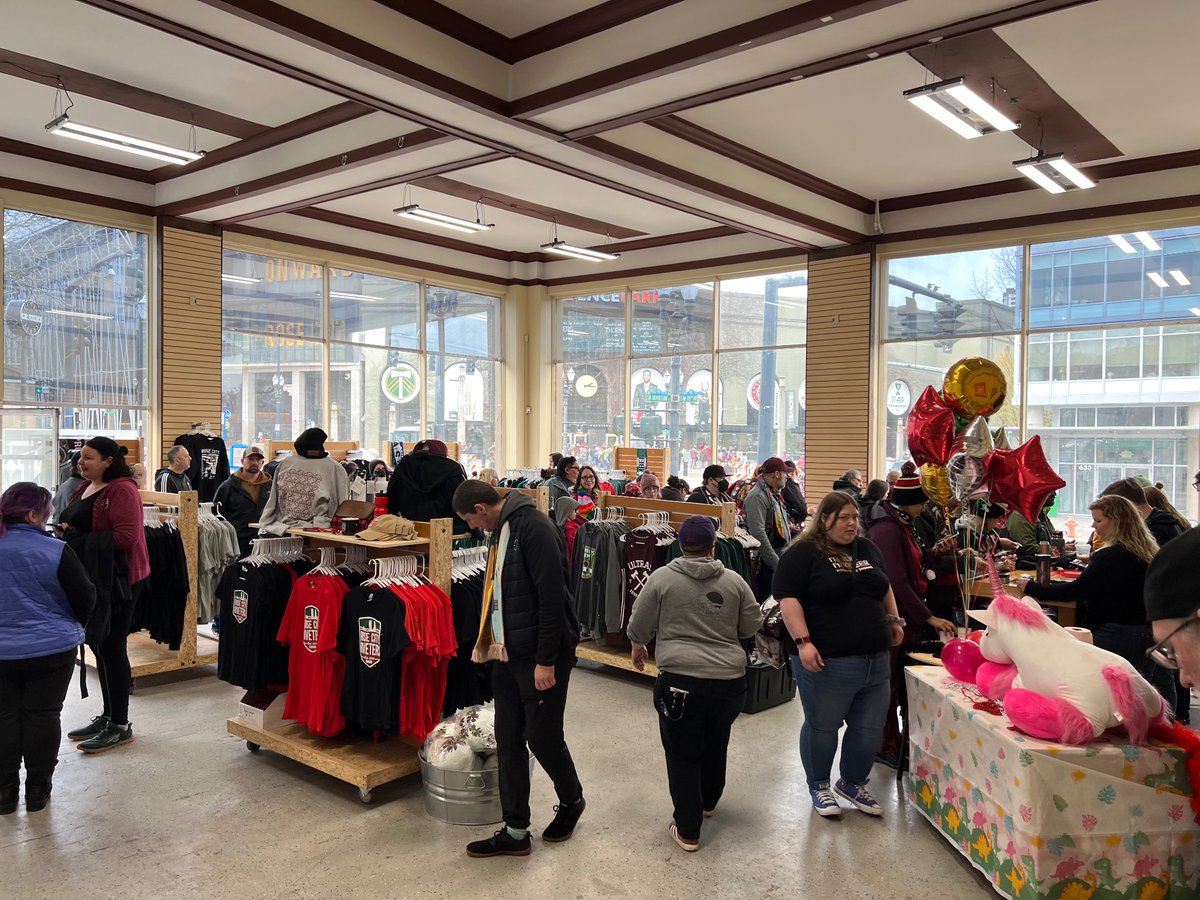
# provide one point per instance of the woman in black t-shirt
(839, 609)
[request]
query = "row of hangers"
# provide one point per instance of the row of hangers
(354, 560)
(203, 428)
(468, 562)
(156, 517)
(397, 570)
(265, 551)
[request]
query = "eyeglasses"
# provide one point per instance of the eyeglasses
(1162, 654)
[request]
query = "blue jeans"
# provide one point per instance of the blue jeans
(850, 689)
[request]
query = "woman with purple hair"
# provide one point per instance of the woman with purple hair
(45, 600)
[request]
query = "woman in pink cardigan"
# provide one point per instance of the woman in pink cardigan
(104, 524)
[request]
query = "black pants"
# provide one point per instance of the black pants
(112, 660)
(694, 727)
(766, 575)
(529, 720)
(31, 701)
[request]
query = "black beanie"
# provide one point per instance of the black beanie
(311, 444)
(1173, 579)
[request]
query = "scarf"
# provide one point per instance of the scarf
(487, 647)
(780, 514)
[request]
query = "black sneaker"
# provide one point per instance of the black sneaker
(8, 799)
(565, 818)
(37, 795)
(499, 844)
(110, 738)
(90, 730)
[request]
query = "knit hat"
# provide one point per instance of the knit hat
(771, 465)
(311, 444)
(907, 490)
(697, 533)
(1172, 588)
(632, 489)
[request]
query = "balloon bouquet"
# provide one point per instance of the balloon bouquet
(962, 458)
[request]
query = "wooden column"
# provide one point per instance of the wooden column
(838, 391)
(191, 327)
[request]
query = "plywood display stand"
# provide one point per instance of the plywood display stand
(540, 495)
(337, 450)
(626, 458)
(357, 759)
(147, 657)
(632, 509)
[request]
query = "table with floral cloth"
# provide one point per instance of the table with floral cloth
(1105, 821)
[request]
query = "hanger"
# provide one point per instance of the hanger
(355, 560)
(326, 562)
(276, 550)
(468, 562)
(391, 570)
(202, 428)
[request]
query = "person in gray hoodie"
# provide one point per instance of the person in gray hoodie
(699, 611)
(307, 487)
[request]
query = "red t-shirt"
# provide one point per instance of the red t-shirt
(316, 669)
(429, 620)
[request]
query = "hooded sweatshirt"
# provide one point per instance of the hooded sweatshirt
(304, 492)
(699, 611)
(422, 489)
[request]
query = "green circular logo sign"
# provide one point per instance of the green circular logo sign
(401, 383)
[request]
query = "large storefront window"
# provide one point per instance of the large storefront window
(1112, 351)
(664, 367)
(75, 308)
(403, 360)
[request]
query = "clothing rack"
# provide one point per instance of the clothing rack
(146, 657)
(358, 760)
(632, 509)
(540, 495)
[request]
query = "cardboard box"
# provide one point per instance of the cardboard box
(262, 708)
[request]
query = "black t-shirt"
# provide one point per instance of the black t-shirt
(253, 601)
(80, 513)
(844, 611)
(371, 637)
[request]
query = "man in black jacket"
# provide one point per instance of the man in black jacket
(242, 496)
(530, 631)
(423, 484)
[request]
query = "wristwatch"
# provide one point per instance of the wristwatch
(802, 640)
(895, 620)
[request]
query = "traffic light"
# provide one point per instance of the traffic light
(946, 316)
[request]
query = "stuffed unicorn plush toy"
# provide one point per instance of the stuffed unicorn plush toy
(1054, 687)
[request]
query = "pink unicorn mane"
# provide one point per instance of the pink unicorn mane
(1013, 609)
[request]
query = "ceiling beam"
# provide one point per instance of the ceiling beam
(289, 131)
(321, 168)
(810, 16)
(699, 212)
(455, 25)
(713, 189)
(62, 193)
(320, 36)
(747, 156)
(88, 163)
(526, 208)
(906, 44)
(584, 24)
(52, 74)
(355, 190)
(1121, 168)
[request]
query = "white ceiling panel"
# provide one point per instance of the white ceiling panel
(105, 44)
(1147, 103)
(513, 17)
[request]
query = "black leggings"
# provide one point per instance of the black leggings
(112, 660)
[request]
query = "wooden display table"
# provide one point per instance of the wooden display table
(1041, 820)
(616, 657)
(364, 764)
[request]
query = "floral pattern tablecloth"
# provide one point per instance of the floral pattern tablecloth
(1100, 822)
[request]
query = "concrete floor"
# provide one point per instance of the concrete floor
(186, 811)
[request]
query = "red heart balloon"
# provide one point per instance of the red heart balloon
(1022, 478)
(930, 429)
(975, 636)
(962, 659)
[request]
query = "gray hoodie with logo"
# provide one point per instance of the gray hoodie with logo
(699, 611)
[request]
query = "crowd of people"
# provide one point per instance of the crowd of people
(866, 576)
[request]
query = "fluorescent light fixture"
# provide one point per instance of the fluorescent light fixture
(77, 315)
(454, 223)
(1119, 240)
(1148, 242)
(1158, 279)
(1053, 173)
(564, 249)
(240, 279)
(959, 108)
(1180, 279)
(114, 140)
(576, 333)
(1195, 310)
(344, 295)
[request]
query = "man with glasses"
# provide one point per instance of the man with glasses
(851, 482)
(1173, 607)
